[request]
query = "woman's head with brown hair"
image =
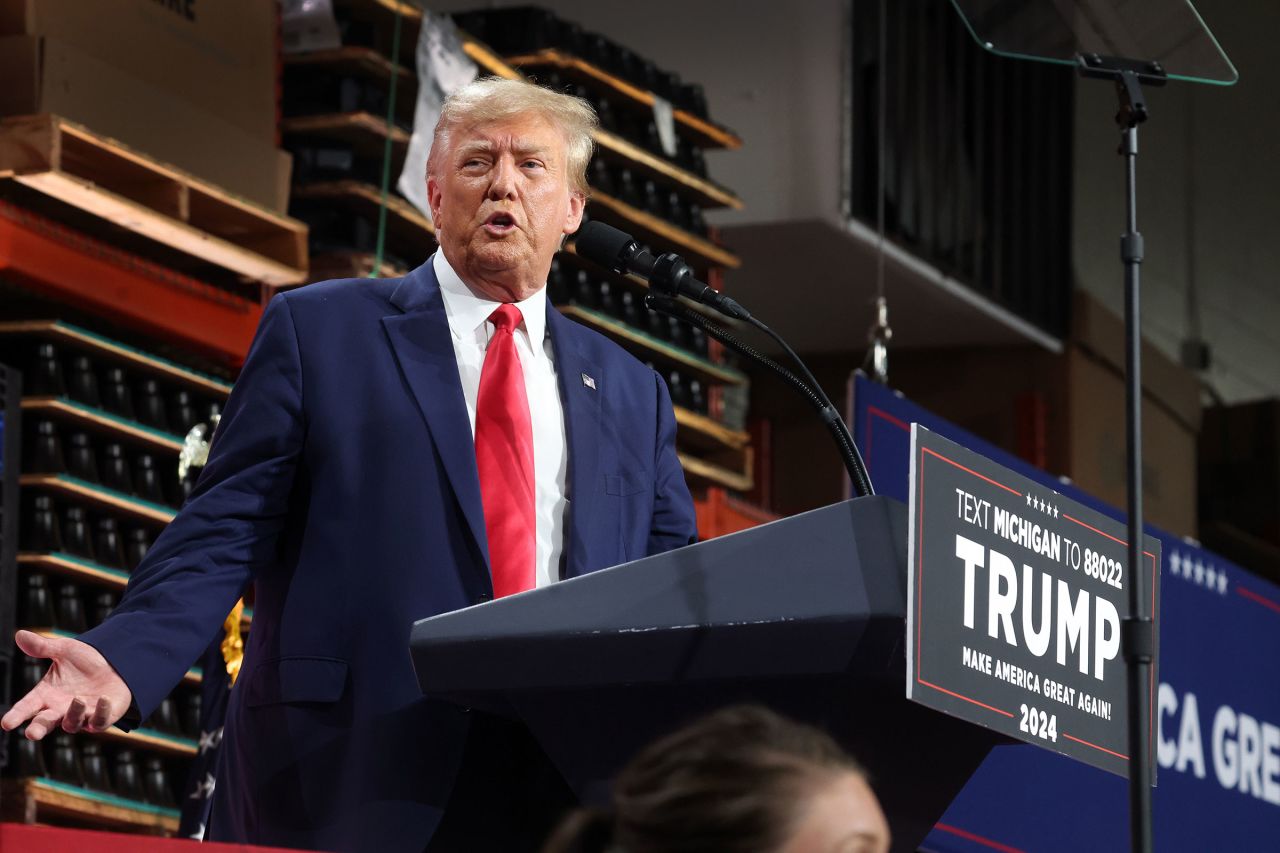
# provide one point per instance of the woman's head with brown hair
(742, 780)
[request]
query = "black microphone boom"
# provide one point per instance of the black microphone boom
(853, 462)
(670, 276)
(668, 273)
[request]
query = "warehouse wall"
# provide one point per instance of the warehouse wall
(1209, 204)
(1209, 185)
(772, 73)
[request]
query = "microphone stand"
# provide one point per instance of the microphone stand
(1138, 633)
(669, 276)
(809, 390)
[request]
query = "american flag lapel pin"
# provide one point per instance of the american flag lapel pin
(589, 381)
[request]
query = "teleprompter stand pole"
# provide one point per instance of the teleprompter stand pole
(1137, 634)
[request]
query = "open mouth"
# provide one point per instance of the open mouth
(500, 223)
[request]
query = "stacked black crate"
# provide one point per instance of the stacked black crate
(337, 106)
(342, 117)
(10, 444)
(648, 180)
(98, 451)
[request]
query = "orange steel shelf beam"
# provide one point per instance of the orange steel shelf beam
(54, 260)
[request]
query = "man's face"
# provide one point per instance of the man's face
(501, 202)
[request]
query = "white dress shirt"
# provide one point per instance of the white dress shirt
(468, 316)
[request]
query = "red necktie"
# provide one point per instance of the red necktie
(504, 458)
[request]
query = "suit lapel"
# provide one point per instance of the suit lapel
(581, 386)
(423, 347)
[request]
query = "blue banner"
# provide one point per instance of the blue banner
(1218, 701)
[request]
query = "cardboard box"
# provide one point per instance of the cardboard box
(43, 75)
(219, 56)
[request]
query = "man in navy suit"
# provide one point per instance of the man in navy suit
(344, 483)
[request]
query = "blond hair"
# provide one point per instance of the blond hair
(494, 99)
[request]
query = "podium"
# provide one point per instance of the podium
(804, 615)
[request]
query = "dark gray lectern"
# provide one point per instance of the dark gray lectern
(805, 615)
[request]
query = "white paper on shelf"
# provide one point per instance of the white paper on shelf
(665, 118)
(443, 68)
(308, 25)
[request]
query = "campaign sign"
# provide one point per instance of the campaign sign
(1015, 600)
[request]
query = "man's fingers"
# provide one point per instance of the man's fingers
(34, 644)
(12, 718)
(22, 710)
(73, 720)
(45, 722)
(101, 715)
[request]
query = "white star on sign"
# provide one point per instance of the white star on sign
(1222, 582)
(1055, 511)
(1175, 563)
(1028, 499)
(1210, 577)
(1199, 572)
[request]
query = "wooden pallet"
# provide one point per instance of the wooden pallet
(67, 486)
(79, 569)
(707, 433)
(85, 173)
(103, 423)
(153, 741)
(75, 568)
(698, 251)
(350, 59)
(701, 190)
(707, 193)
(105, 348)
(703, 132)
(713, 454)
(667, 353)
(352, 264)
(99, 278)
(364, 132)
(35, 800)
(702, 472)
(381, 14)
(405, 223)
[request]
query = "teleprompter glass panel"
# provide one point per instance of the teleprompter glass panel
(1169, 32)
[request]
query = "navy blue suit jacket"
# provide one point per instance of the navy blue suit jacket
(343, 484)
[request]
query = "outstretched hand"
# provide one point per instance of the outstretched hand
(80, 692)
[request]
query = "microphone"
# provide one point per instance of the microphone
(670, 276)
(667, 273)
